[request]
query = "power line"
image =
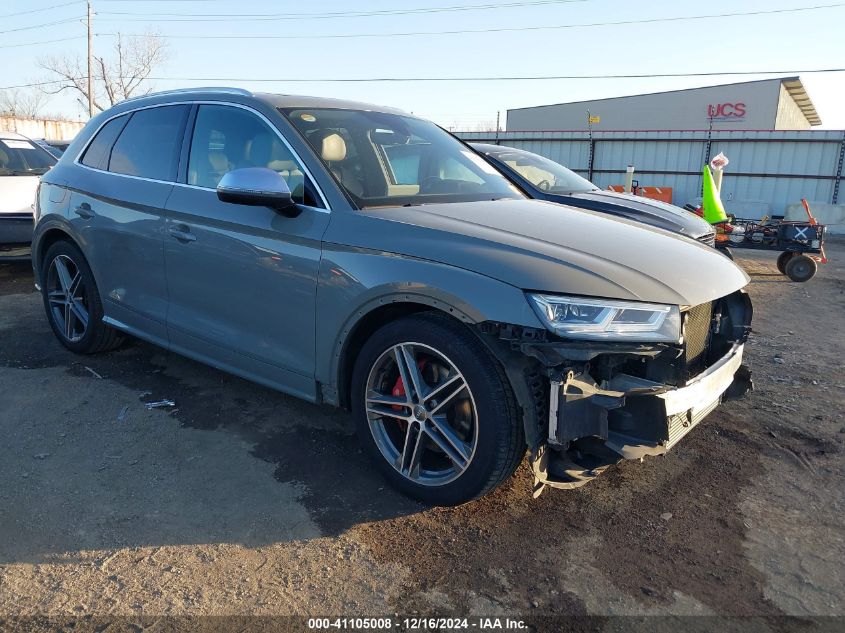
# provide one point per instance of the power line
(493, 30)
(533, 78)
(255, 17)
(62, 39)
(465, 79)
(55, 6)
(41, 26)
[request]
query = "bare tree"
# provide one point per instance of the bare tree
(23, 103)
(121, 75)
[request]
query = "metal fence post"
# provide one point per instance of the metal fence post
(838, 175)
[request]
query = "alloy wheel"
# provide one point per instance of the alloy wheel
(66, 297)
(421, 414)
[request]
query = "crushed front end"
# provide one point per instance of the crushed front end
(589, 404)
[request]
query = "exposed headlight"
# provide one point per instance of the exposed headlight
(606, 319)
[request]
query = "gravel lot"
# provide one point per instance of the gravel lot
(241, 500)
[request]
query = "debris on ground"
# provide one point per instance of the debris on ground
(160, 404)
(92, 372)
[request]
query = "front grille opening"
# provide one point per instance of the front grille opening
(697, 326)
(709, 239)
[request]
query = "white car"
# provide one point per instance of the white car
(22, 164)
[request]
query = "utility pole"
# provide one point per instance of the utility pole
(90, 64)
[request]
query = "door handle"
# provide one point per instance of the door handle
(182, 234)
(84, 210)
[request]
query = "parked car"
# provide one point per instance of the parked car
(363, 257)
(545, 179)
(22, 163)
(55, 148)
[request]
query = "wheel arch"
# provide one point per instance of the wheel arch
(44, 241)
(369, 318)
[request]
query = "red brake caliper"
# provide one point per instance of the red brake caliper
(399, 387)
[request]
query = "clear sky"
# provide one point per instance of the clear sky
(781, 42)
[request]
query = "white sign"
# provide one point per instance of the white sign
(14, 144)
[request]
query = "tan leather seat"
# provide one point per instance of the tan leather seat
(333, 151)
(333, 148)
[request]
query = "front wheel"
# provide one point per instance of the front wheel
(435, 410)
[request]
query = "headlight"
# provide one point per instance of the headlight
(578, 318)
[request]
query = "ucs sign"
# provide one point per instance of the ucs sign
(726, 111)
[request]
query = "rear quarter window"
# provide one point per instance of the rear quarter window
(97, 154)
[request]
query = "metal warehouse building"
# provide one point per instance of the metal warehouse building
(769, 104)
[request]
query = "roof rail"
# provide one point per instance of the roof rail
(218, 89)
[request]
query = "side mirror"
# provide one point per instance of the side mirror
(257, 187)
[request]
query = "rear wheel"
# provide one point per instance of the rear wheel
(783, 259)
(72, 301)
(801, 268)
(435, 410)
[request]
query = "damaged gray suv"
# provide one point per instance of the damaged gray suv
(363, 257)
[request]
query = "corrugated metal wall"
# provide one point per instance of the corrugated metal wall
(767, 171)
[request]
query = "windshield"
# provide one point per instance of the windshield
(543, 173)
(383, 159)
(19, 157)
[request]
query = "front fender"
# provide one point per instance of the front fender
(355, 282)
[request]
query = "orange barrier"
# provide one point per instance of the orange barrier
(664, 194)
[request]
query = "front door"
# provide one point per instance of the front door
(242, 280)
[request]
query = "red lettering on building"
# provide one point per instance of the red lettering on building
(725, 111)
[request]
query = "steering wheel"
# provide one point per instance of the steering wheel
(545, 185)
(432, 184)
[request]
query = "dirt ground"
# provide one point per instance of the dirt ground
(241, 500)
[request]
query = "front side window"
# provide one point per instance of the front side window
(148, 147)
(384, 159)
(20, 157)
(543, 173)
(227, 138)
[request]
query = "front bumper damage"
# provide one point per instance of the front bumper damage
(595, 404)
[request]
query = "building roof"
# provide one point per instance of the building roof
(793, 85)
(799, 94)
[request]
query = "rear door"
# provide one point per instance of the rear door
(118, 209)
(242, 280)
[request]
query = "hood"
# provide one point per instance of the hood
(530, 244)
(651, 212)
(17, 194)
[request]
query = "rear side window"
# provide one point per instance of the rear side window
(149, 145)
(97, 154)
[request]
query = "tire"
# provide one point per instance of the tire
(77, 324)
(783, 260)
(801, 268)
(727, 253)
(487, 441)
